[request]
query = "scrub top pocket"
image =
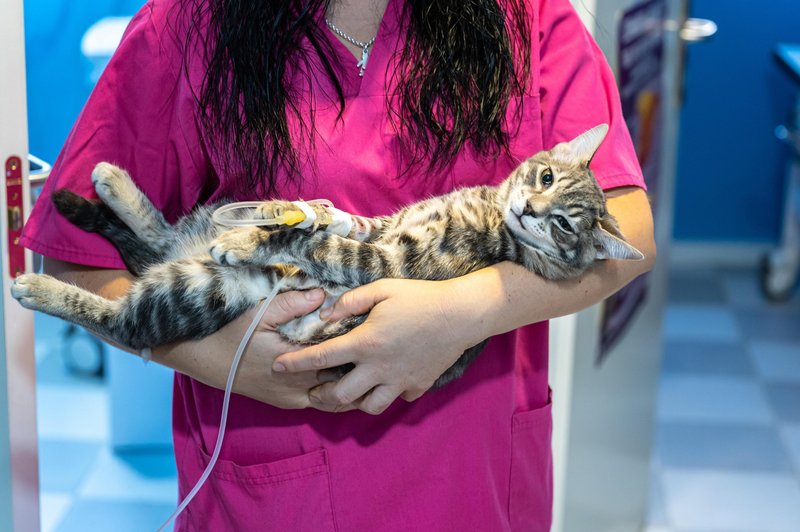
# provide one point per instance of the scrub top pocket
(531, 489)
(261, 497)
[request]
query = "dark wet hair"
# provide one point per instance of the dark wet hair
(462, 63)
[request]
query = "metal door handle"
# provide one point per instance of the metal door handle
(697, 29)
(39, 171)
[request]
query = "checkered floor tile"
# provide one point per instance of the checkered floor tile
(727, 453)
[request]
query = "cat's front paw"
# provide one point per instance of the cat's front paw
(35, 291)
(270, 210)
(112, 184)
(236, 247)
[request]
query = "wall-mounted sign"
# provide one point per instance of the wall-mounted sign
(640, 61)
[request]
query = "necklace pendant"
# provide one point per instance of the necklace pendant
(363, 63)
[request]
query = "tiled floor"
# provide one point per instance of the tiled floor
(727, 453)
(85, 486)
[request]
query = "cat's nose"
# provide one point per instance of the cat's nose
(529, 210)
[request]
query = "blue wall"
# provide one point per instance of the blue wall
(57, 74)
(730, 180)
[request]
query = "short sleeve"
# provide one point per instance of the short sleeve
(578, 91)
(140, 116)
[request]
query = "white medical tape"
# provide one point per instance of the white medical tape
(342, 222)
(311, 216)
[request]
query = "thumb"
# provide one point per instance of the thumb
(290, 305)
(354, 303)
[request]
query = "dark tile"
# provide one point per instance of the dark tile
(776, 361)
(695, 286)
(721, 446)
(150, 463)
(701, 323)
(706, 358)
(743, 290)
(785, 400)
(64, 463)
(772, 323)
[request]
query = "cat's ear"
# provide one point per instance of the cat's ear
(609, 242)
(586, 144)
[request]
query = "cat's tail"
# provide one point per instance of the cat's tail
(81, 212)
(96, 217)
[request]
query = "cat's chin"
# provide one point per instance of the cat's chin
(516, 228)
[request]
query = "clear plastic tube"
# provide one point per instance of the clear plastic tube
(225, 403)
(219, 215)
(219, 218)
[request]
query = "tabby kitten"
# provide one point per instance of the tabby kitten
(195, 276)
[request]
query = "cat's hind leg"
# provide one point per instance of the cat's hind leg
(66, 301)
(172, 302)
(96, 217)
(118, 191)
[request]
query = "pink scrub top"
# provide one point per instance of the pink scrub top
(474, 455)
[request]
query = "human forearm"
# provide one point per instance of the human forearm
(510, 296)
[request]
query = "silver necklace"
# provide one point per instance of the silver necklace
(365, 46)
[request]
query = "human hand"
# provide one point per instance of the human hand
(415, 331)
(208, 360)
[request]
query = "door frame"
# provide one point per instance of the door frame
(19, 464)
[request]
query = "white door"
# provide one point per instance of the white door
(19, 475)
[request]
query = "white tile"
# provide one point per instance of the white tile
(790, 434)
(656, 514)
(712, 399)
(720, 501)
(776, 361)
(701, 322)
(52, 507)
(72, 413)
(112, 477)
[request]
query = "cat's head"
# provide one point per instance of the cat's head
(555, 208)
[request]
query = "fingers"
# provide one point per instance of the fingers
(356, 389)
(290, 305)
(379, 399)
(329, 354)
(328, 407)
(349, 389)
(412, 395)
(355, 302)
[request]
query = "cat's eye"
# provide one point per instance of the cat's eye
(563, 223)
(547, 178)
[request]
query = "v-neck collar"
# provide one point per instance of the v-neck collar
(373, 80)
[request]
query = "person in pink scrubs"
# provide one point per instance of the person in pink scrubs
(348, 456)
